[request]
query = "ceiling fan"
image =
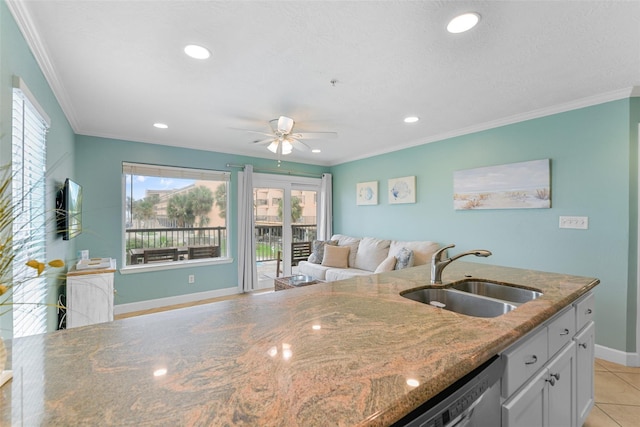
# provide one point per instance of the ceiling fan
(282, 139)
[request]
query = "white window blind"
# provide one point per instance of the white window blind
(173, 172)
(28, 159)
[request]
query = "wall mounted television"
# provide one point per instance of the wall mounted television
(69, 210)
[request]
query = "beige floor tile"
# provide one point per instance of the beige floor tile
(633, 379)
(625, 415)
(598, 418)
(614, 367)
(609, 388)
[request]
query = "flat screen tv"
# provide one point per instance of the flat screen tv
(69, 209)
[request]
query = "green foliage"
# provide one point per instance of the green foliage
(185, 208)
(296, 209)
(221, 200)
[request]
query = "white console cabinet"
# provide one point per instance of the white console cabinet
(548, 379)
(90, 295)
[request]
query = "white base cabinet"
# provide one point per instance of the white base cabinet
(548, 379)
(89, 297)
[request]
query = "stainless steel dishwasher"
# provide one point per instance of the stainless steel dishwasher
(472, 401)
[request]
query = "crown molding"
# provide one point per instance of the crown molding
(535, 114)
(23, 19)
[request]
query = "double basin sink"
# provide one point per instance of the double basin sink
(477, 298)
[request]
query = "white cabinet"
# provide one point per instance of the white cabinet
(548, 379)
(585, 344)
(549, 398)
(89, 296)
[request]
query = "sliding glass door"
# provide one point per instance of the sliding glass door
(285, 213)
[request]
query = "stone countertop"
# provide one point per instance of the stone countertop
(331, 354)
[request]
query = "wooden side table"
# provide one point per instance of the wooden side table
(290, 282)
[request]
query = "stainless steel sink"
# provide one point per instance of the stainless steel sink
(496, 290)
(460, 302)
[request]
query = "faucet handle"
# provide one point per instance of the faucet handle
(439, 254)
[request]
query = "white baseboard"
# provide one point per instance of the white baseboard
(179, 299)
(617, 356)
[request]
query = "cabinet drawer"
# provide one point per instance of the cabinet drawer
(523, 361)
(561, 330)
(585, 310)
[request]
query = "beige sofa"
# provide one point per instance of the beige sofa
(344, 257)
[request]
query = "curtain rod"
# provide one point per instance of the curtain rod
(280, 171)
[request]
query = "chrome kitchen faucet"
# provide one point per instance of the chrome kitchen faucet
(438, 263)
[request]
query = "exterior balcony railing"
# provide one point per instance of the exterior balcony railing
(268, 241)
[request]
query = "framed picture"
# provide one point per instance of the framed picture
(367, 193)
(512, 186)
(402, 190)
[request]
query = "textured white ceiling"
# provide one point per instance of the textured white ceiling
(118, 66)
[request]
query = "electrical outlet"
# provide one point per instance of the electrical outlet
(192, 278)
(581, 222)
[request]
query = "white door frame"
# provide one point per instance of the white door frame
(287, 183)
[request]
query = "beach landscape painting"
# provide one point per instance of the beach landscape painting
(524, 185)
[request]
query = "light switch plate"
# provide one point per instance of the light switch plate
(580, 222)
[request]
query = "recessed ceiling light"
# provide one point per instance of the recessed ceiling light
(462, 23)
(160, 125)
(411, 119)
(316, 150)
(197, 52)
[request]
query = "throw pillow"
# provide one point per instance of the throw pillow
(422, 250)
(352, 242)
(405, 259)
(387, 265)
(371, 252)
(336, 256)
(317, 250)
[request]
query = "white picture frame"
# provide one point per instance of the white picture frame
(402, 190)
(367, 193)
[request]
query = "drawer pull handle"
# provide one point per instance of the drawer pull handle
(588, 311)
(565, 332)
(553, 378)
(583, 345)
(531, 361)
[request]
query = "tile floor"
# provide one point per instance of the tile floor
(617, 390)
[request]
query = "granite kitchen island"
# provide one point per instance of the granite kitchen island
(330, 354)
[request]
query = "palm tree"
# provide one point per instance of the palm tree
(221, 200)
(201, 201)
(179, 209)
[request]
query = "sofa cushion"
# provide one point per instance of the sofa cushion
(317, 250)
(405, 259)
(336, 256)
(387, 265)
(316, 271)
(422, 250)
(334, 274)
(351, 242)
(371, 252)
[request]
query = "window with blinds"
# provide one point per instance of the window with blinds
(28, 158)
(174, 214)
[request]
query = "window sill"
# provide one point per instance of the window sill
(146, 268)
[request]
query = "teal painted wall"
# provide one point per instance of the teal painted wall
(99, 169)
(593, 154)
(16, 59)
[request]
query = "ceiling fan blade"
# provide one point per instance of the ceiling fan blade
(315, 135)
(264, 141)
(299, 144)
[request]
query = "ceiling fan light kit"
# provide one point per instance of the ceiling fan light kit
(283, 140)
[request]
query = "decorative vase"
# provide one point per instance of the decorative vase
(4, 375)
